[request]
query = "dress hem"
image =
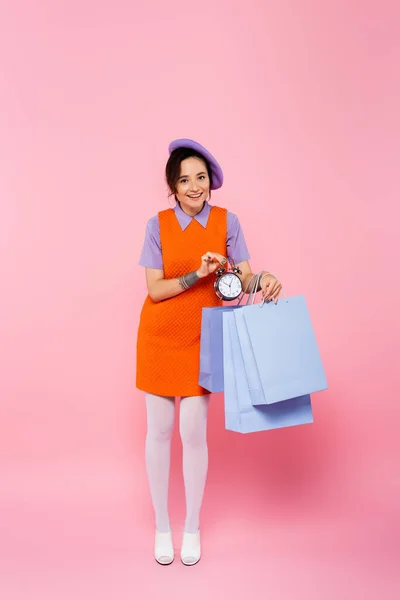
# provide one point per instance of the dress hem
(175, 395)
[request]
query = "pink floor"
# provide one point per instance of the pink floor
(83, 532)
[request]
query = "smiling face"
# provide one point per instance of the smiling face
(193, 185)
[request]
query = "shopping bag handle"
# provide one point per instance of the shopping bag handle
(253, 286)
(243, 292)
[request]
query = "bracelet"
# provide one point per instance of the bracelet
(187, 281)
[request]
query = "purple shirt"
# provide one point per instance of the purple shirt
(152, 255)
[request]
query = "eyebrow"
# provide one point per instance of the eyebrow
(201, 173)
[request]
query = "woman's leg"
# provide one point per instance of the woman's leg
(160, 425)
(193, 430)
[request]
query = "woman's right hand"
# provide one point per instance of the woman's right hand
(210, 262)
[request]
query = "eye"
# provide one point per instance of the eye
(202, 177)
(183, 181)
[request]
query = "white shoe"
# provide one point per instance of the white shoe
(163, 548)
(191, 549)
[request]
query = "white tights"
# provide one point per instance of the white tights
(193, 431)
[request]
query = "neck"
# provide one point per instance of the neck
(191, 213)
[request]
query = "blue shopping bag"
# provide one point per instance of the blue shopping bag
(280, 340)
(249, 362)
(211, 375)
(240, 414)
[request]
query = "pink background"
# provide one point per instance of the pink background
(300, 103)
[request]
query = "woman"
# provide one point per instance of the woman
(183, 247)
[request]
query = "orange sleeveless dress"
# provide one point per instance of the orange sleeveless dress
(168, 344)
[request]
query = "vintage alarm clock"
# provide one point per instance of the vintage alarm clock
(228, 285)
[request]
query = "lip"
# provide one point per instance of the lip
(195, 197)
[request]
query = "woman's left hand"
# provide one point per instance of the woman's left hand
(271, 288)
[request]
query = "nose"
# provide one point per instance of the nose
(194, 186)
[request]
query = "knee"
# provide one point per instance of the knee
(193, 434)
(161, 433)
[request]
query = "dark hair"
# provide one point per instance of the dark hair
(173, 166)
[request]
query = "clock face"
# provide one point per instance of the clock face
(230, 285)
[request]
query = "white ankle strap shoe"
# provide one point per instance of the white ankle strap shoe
(191, 548)
(163, 548)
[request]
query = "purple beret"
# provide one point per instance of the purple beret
(217, 175)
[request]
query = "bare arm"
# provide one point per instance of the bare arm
(269, 284)
(161, 289)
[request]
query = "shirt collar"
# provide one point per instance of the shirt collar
(185, 220)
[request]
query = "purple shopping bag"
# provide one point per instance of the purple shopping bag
(211, 375)
(211, 348)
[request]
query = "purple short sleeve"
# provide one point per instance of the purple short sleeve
(151, 256)
(237, 248)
